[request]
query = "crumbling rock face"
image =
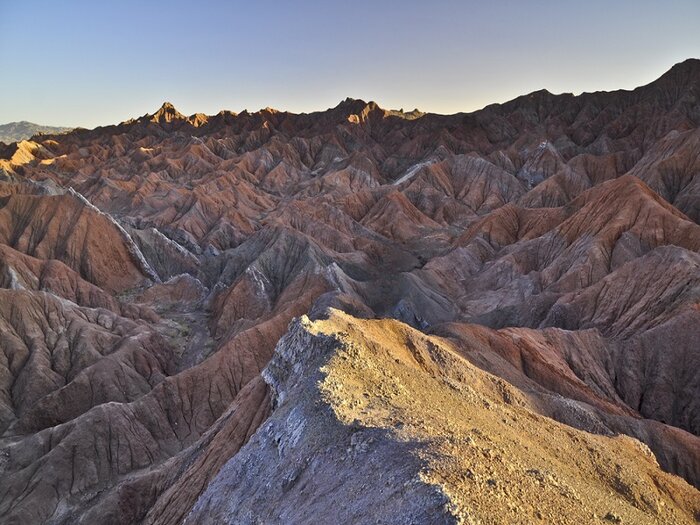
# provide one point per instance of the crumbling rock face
(65, 228)
(375, 415)
(304, 448)
(549, 246)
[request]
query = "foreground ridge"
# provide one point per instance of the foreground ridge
(377, 415)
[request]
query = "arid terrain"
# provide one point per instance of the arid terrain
(357, 315)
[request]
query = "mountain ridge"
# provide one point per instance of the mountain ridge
(687, 71)
(22, 130)
(538, 260)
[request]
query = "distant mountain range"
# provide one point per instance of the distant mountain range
(15, 131)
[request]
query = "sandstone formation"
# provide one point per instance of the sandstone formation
(502, 315)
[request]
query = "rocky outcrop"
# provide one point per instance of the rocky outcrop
(375, 415)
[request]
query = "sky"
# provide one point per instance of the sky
(99, 62)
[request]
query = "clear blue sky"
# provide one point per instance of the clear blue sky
(99, 62)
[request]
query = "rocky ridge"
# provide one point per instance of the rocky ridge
(544, 252)
(401, 423)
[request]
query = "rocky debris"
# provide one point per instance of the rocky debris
(313, 460)
(333, 446)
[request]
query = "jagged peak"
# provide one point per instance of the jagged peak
(357, 110)
(356, 105)
(167, 113)
(198, 119)
(349, 101)
(225, 113)
(167, 107)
